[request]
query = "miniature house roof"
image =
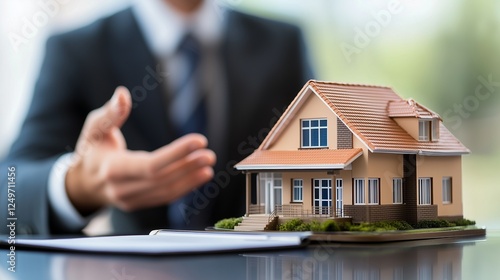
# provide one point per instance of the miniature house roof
(368, 112)
(409, 108)
(316, 159)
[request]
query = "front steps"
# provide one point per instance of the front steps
(257, 222)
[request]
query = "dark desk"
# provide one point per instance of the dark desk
(438, 259)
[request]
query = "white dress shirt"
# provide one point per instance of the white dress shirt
(163, 28)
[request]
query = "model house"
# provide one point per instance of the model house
(347, 150)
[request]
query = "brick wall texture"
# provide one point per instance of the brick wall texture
(344, 136)
(390, 212)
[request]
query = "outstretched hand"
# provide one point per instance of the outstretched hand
(105, 173)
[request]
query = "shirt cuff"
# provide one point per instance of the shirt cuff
(66, 214)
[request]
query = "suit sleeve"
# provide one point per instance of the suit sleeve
(50, 129)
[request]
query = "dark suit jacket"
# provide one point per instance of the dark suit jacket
(264, 64)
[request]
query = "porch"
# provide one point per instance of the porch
(297, 210)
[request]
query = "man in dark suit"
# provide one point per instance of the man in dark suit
(122, 150)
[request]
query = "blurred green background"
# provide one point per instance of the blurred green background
(441, 53)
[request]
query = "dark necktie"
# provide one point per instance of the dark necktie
(188, 114)
(188, 108)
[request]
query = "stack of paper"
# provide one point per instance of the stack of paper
(170, 242)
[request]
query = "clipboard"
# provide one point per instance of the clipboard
(165, 242)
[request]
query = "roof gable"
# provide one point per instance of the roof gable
(366, 111)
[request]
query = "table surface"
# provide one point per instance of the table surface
(470, 258)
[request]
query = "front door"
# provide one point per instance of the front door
(272, 187)
(339, 204)
(322, 196)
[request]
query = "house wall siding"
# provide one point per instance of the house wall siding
(409, 124)
(382, 166)
(308, 190)
(437, 167)
(307, 187)
(313, 108)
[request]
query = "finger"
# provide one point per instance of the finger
(111, 115)
(177, 150)
(163, 196)
(129, 188)
(140, 164)
(181, 168)
(125, 165)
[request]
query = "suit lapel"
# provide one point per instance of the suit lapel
(244, 78)
(137, 69)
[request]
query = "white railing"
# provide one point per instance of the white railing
(298, 211)
(291, 210)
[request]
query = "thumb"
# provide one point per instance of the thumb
(119, 106)
(111, 115)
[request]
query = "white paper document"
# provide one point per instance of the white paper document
(170, 242)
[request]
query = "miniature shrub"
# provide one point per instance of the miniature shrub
(384, 226)
(427, 224)
(393, 225)
(228, 223)
(291, 225)
(303, 227)
(315, 226)
(464, 222)
(434, 224)
(365, 227)
(330, 225)
(402, 225)
(344, 226)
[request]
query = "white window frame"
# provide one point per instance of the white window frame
(359, 191)
(397, 190)
(297, 185)
(309, 129)
(428, 130)
(319, 199)
(373, 191)
(424, 130)
(339, 197)
(435, 130)
(424, 191)
(278, 188)
(447, 190)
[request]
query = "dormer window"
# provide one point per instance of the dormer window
(428, 130)
(435, 130)
(314, 133)
(424, 130)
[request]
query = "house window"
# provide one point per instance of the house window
(428, 130)
(314, 133)
(322, 196)
(447, 190)
(373, 191)
(277, 189)
(424, 191)
(424, 130)
(339, 197)
(435, 130)
(397, 191)
(297, 190)
(359, 191)
(270, 190)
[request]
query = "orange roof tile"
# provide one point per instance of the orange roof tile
(299, 159)
(409, 108)
(366, 111)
